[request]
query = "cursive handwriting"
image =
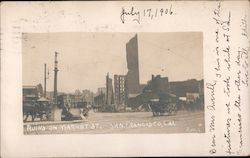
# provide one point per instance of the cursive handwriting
(237, 103)
(227, 57)
(213, 145)
(211, 88)
(211, 130)
(237, 80)
(132, 13)
(149, 13)
(224, 23)
(227, 136)
(212, 124)
(227, 85)
(228, 107)
(243, 26)
(245, 64)
(240, 130)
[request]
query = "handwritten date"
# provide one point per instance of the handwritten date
(151, 13)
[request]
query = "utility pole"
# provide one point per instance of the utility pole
(55, 78)
(45, 78)
(107, 89)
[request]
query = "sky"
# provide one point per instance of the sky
(84, 59)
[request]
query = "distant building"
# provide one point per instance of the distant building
(100, 97)
(88, 96)
(101, 90)
(109, 91)
(156, 87)
(71, 100)
(119, 88)
(32, 92)
(192, 97)
(181, 88)
(157, 84)
(99, 100)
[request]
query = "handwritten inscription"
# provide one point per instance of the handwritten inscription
(227, 136)
(227, 56)
(227, 86)
(213, 145)
(244, 27)
(212, 130)
(237, 103)
(241, 79)
(244, 52)
(240, 131)
(231, 77)
(211, 88)
(237, 81)
(136, 15)
(150, 13)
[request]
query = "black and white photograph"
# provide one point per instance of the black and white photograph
(125, 78)
(107, 83)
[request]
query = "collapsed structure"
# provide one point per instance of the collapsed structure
(128, 92)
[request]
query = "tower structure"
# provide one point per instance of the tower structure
(55, 78)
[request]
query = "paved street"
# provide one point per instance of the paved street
(129, 122)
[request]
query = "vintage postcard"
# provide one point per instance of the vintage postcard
(165, 78)
(113, 82)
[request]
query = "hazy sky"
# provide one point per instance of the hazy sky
(85, 58)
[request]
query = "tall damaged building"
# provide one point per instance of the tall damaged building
(109, 91)
(132, 78)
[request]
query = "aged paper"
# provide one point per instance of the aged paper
(165, 78)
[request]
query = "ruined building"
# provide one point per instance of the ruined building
(132, 77)
(119, 89)
(109, 91)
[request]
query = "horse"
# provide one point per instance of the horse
(29, 109)
(34, 110)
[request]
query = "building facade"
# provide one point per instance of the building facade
(119, 89)
(158, 84)
(101, 90)
(109, 91)
(32, 93)
(88, 96)
(132, 77)
(181, 88)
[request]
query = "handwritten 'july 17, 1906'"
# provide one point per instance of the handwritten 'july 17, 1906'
(136, 15)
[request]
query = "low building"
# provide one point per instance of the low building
(99, 101)
(88, 96)
(101, 90)
(71, 100)
(181, 88)
(32, 93)
(192, 97)
(157, 84)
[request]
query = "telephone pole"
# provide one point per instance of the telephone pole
(45, 81)
(107, 89)
(55, 78)
(45, 78)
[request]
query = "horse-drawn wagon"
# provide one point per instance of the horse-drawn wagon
(39, 108)
(163, 103)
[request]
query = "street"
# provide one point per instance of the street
(128, 122)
